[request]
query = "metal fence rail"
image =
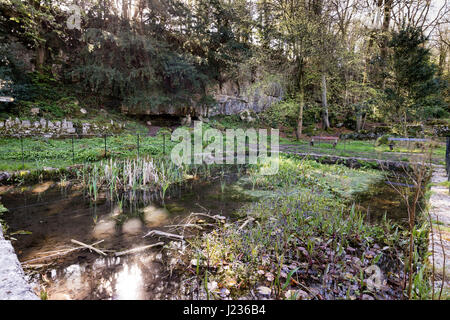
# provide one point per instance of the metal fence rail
(72, 149)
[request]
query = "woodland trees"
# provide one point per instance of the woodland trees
(341, 61)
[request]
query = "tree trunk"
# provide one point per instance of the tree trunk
(300, 113)
(385, 39)
(326, 121)
(358, 121)
(125, 9)
(40, 56)
(442, 59)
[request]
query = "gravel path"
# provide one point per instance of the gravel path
(440, 214)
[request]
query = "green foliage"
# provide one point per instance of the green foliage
(289, 230)
(283, 113)
(383, 140)
(415, 90)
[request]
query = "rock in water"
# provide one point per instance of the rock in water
(132, 226)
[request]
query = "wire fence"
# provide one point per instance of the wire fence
(38, 151)
(23, 151)
(370, 150)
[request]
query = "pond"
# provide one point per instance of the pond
(45, 218)
(48, 216)
(383, 199)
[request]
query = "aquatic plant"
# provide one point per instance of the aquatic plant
(292, 240)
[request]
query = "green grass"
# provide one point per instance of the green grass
(350, 148)
(359, 148)
(57, 153)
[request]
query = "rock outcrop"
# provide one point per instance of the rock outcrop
(231, 98)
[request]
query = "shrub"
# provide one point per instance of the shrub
(383, 140)
(283, 113)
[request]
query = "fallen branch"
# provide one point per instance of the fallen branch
(58, 254)
(90, 247)
(202, 207)
(164, 234)
(140, 249)
(35, 266)
(187, 225)
(246, 222)
(215, 217)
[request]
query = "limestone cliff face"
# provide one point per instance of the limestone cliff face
(231, 98)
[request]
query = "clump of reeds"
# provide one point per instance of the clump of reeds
(130, 175)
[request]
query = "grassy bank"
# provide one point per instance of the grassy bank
(58, 153)
(304, 239)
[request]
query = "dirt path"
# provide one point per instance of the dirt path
(440, 214)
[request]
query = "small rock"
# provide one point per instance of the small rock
(4, 176)
(35, 111)
(83, 111)
(212, 286)
(269, 276)
(224, 292)
(264, 290)
(296, 294)
(194, 262)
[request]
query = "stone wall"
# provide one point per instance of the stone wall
(13, 285)
(56, 128)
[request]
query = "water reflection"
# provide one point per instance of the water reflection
(129, 283)
(55, 216)
(105, 278)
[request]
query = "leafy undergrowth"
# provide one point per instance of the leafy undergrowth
(309, 244)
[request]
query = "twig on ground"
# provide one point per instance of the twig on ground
(246, 222)
(139, 249)
(215, 217)
(163, 234)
